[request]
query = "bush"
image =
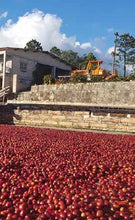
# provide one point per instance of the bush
(47, 79)
(39, 73)
(121, 78)
(96, 79)
(79, 78)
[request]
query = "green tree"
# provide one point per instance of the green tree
(70, 57)
(56, 51)
(81, 60)
(33, 45)
(89, 57)
(115, 62)
(126, 49)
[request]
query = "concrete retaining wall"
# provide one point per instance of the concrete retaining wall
(101, 119)
(102, 94)
(106, 106)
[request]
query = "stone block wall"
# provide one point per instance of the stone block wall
(101, 94)
(106, 106)
(100, 119)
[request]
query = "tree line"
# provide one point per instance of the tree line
(125, 51)
(69, 56)
(123, 55)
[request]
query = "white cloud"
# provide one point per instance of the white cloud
(77, 43)
(96, 50)
(110, 30)
(4, 15)
(110, 50)
(99, 40)
(45, 28)
(85, 45)
(8, 23)
(130, 69)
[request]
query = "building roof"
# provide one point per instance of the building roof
(35, 51)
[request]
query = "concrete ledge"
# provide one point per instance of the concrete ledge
(74, 107)
(70, 104)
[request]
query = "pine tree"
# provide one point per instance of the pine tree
(33, 45)
(126, 50)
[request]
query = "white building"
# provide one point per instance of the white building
(17, 66)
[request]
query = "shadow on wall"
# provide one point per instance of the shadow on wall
(7, 115)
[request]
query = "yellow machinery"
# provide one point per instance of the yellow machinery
(96, 72)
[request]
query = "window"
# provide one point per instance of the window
(23, 67)
(1, 67)
(8, 66)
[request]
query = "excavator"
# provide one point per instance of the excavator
(96, 72)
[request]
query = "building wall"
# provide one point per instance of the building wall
(20, 80)
(8, 80)
(24, 79)
(40, 57)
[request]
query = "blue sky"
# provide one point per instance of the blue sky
(81, 25)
